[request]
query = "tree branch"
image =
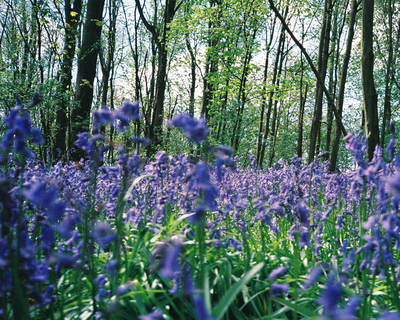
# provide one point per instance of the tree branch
(308, 58)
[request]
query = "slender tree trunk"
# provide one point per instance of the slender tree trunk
(271, 94)
(272, 153)
(302, 103)
(370, 96)
(211, 62)
(193, 76)
(312, 66)
(159, 37)
(388, 88)
(323, 55)
(264, 91)
(80, 116)
(242, 92)
(342, 84)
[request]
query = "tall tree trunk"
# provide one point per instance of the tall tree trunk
(242, 91)
(271, 93)
(71, 32)
(159, 37)
(367, 78)
(276, 129)
(323, 55)
(193, 76)
(264, 91)
(80, 116)
(211, 61)
(342, 84)
(388, 88)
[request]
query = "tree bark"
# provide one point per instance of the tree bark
(211, 63)
(342, 85)
(323, 55)
(388, 87)
(71, 32)
(312, 66)
(271, 93)
(264, 91)
(159, 37)
(87, 61)
(370, 96)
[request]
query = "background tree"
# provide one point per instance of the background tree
(370, 96)
(87, 63)
(72, 14)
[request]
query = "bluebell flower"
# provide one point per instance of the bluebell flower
(103, 234)
(111, 267)
(387, 315)
(199, 213)
(101, 281)
(303, 213)
(142, 141)
(202, 312)
(36, 99)
(393, 184)
(102, 116)
(123, 289)
(40, 274)
(195, 130)
(278, 272)
(63, 260)
(46, 297)
(390, 148)
(330, 296)
(56, 211)
(349, 311)
(155, 315)
(20, 131)
(312, 277)
(74, 238)
(167, 254)
(277, 289)
(161, 158)
(66, 227)
(128, 111)
(47, 238)
(4, 254)
(37, 193)
(392, 127)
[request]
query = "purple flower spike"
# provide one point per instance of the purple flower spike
(196, 131)
(313, 277)
(123, 289)
(129, 111)
(168, 254)
(331, 296)
(201, 310)
(278, 288)
(390, 148)
(278, 272)
(102, 116)
(103, 234)
(390, 316)
(38, 194)
(392, 127)
(155, 315)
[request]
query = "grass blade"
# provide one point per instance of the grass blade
(233, 291)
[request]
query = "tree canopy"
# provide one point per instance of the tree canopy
(271, 78)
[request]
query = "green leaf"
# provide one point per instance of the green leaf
(299, 309)
(233, 291)
(134, 183)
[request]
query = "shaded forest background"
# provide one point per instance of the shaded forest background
(273, 78)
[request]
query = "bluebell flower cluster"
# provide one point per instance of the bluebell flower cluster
(320, 234)
(195, 130)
